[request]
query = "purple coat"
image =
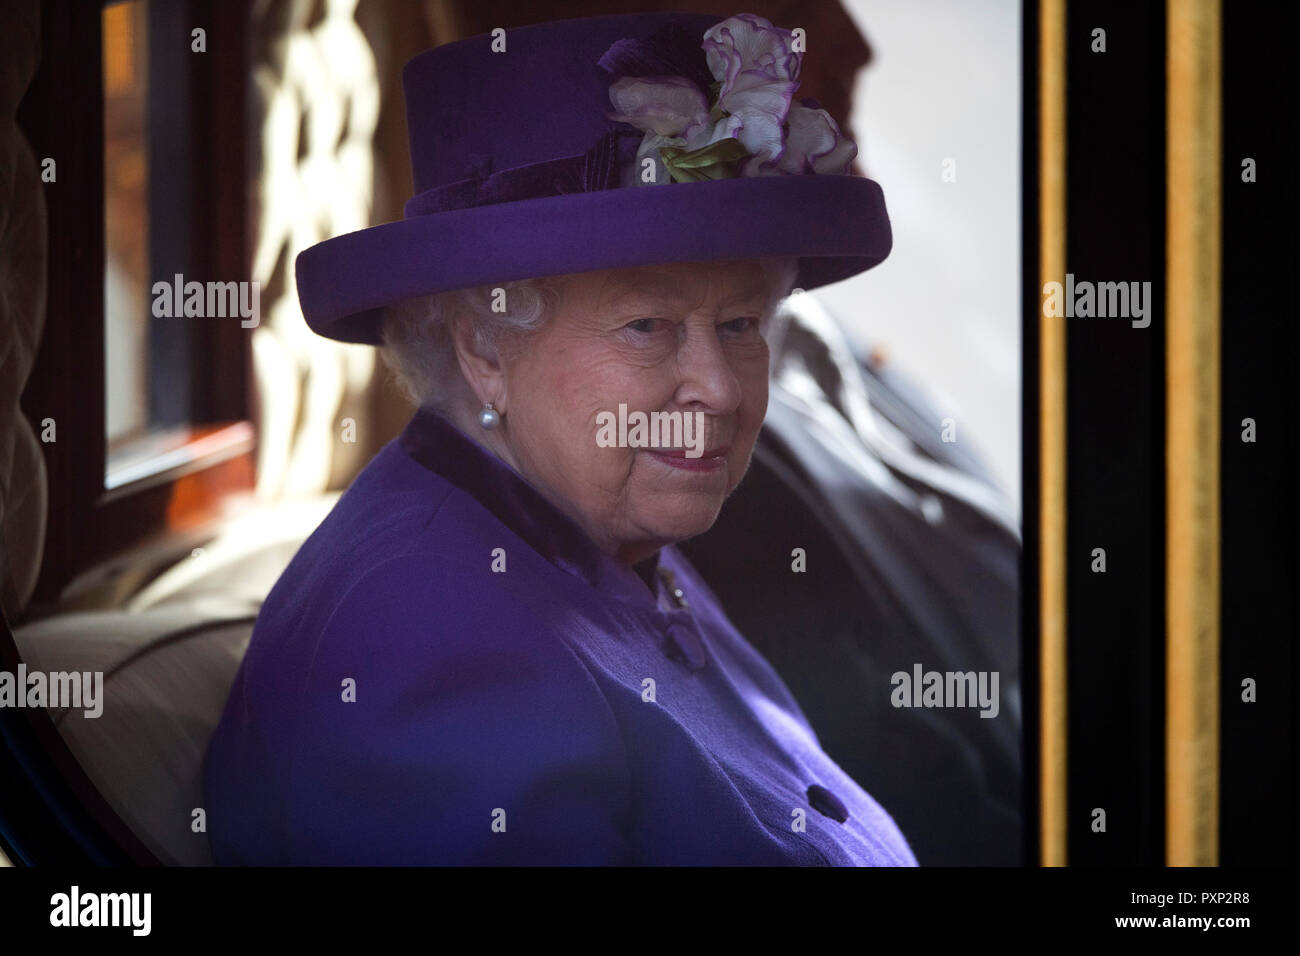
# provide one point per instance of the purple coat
(450, 672)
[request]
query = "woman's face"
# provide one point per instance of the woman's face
(680, 338)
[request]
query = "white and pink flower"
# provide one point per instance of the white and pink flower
(757, 72)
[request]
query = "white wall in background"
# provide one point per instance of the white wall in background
(945, 83)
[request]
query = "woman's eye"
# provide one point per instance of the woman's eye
(643, 326)
(742, 325)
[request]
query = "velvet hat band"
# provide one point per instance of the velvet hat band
(597, 168)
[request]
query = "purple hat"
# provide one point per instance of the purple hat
(601, 143)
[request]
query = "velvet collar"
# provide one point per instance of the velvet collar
(437, 444)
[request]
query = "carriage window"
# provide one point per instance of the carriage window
(127, 230)
(173, 382)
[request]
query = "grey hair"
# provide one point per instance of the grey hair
(417, 343)
(782, 273)
(417, 339)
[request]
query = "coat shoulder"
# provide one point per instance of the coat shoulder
(423, 717)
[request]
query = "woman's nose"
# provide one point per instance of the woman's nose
(705, 374)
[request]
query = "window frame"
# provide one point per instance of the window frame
(86, 522)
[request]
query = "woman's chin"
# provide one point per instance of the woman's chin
(682, 518)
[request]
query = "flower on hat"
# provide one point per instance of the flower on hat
(744, 122)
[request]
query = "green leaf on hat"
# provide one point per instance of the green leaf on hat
(718, 160)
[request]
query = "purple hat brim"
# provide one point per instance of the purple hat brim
(836, 224)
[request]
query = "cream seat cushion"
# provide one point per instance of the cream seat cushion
(168, 656)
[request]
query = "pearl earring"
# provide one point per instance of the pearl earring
(488, 417)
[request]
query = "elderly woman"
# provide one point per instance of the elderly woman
(490, 652)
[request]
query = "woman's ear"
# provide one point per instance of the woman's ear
(479, 363)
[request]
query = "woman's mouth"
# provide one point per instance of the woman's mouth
(713, 459)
